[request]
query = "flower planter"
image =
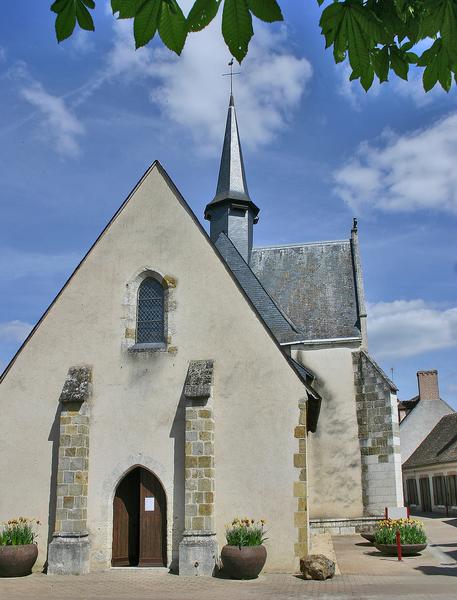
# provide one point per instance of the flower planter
(17, 561)
(369, 537)
(243, 562)
(406, 549)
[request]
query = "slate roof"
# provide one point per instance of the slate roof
(314, 284)
(440, 446)
(278, 323)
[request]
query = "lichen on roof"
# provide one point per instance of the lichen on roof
(314, 284)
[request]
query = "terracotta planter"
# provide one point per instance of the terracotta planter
(243, 562)
(406, 549)
(17, 561)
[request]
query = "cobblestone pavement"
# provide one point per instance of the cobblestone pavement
(442, 535)
(149, 585)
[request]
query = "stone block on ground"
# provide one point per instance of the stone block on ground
(317, 566)
(322, 543)
(68, 556)
(198, 555)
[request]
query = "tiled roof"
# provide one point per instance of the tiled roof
(314, 284)
(408, 404)
(440, 446)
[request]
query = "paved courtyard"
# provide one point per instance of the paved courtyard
(365, 574)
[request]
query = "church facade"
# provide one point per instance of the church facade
(179, 380)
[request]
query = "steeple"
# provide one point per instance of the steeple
(232, 210)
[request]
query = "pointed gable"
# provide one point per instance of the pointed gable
(153, 222)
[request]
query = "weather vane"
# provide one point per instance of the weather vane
(231, 74)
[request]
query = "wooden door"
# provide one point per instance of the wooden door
(426, 501)
(126, 521)
(153, 522)
(139, 521)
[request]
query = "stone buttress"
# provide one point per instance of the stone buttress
(68, 553)
(198, 549)
(379, 436)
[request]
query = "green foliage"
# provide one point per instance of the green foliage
(18, 532)
(172, 26)
(202, 13)
(377, 37)
(68, 13)
(245, 532)
(237, 27)
(411, 531)
(166, 17)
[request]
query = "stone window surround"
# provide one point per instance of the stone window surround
(130, 310)
(102, 559)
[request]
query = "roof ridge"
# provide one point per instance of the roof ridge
(300, 244)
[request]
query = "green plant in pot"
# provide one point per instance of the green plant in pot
(412, 536)
(18, 550)
(244, 555)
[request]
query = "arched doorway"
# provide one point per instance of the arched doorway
(139, 521)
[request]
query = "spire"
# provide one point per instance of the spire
(232, 211)
(231, 184)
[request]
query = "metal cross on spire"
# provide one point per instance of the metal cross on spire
(231, 74)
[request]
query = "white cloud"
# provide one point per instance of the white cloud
(14, 331)
(83, 42)
(409, 327)
(414, 171)
(414, 89)
(59, 126)
(352, 91)
(123, 60)
(189, 90)
(191, 93)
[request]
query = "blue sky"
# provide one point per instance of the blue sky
(81, 121)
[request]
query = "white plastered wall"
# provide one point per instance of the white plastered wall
(135, 408)
(334, 462)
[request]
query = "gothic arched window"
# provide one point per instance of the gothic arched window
(150, 327)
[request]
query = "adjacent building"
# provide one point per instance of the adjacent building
(419, 415)
(430, 473)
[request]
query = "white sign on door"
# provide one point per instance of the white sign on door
(149, 504)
